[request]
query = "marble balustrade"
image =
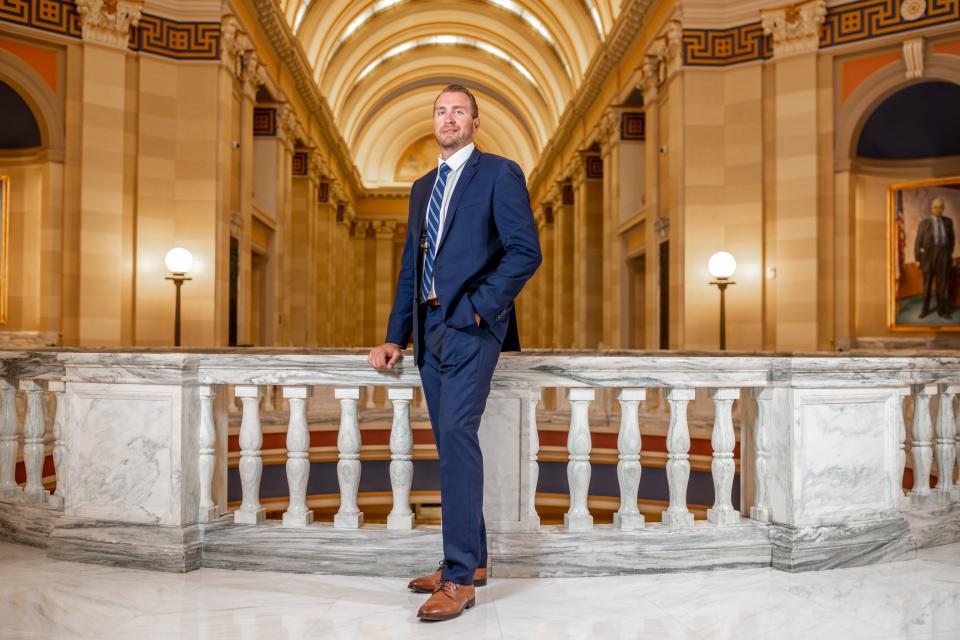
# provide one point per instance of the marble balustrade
(138, 445)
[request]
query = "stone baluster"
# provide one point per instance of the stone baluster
(33, 447)
(298, 457)
(348, 468)
(899, 494)
(956, 485)
(723, 467)
(401, 458)
(251, 461)
(946, 449)
(578, 468)
(206, 441)
(922, 436)
(764, 398)
(677, 515)
(533, 465)
(58, 388)
(8, 442)
(628, 465)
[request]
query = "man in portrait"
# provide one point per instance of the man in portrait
(471, 245)
(934, 252)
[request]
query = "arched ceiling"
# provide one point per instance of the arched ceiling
(381, 63)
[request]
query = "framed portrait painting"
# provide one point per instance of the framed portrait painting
(924, 279)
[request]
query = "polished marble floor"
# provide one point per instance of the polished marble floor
(42, 598)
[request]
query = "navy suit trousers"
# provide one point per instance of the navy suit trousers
(457, 368)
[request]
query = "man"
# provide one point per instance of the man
(471, 245)
(934, 251)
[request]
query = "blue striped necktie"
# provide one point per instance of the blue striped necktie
(433, 230)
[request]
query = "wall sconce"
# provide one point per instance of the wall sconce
(178, 261)
(721, 267)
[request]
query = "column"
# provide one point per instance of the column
(563, 265)
(385, 280)
(301, 284)
(588, 254)
(105, 299)
(649, 84)
(794, 31)
(288, 132)
(545, 307)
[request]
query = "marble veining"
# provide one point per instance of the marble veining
(44, 598)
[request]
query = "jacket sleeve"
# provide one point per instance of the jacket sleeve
(400, 323)
(518, 234)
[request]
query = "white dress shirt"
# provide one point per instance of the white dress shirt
(456, 163)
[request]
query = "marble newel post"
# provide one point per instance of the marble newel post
(130, 465)
(834, 470)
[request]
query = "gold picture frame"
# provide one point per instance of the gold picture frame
(923, 281)
(4, 246)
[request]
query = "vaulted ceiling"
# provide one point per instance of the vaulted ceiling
(380, 64)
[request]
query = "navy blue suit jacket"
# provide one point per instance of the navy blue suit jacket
(488, 250)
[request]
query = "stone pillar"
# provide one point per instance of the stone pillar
(252, 75)
(652, 237)
(794, 31)
(563, 265)
(324, 266)
(288, 132)
(106, 224)
(301, 285)
(588, 243)
(546, 305)
(385, 280)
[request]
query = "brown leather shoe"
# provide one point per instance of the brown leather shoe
(429, 582)
(448, 601)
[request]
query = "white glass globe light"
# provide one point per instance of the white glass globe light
(722, 265)
(178, 260)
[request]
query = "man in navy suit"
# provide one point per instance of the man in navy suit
(471, 245)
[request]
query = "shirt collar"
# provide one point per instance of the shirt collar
(458, 159)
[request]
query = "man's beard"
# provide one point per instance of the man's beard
(454, 142)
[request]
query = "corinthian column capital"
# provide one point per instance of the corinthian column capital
(794, 28)
(108, 22)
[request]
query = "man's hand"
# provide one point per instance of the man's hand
(476, 318)
(383, 358)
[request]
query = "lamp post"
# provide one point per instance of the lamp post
(721, 267)
(178, 261)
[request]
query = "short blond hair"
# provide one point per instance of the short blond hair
(459, 88)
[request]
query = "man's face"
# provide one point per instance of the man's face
(936, 207)
(453, 121)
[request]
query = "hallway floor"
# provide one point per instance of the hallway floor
(49, 599)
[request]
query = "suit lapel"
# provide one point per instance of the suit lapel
(468, 172)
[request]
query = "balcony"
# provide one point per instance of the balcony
(139, 461)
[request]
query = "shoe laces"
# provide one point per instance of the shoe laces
(448, 587)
